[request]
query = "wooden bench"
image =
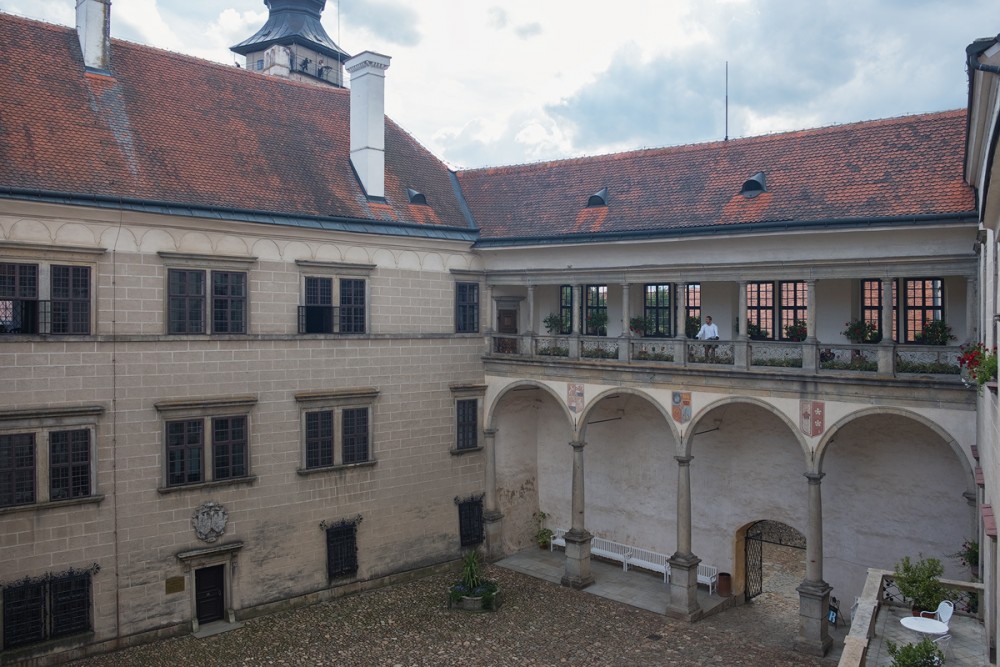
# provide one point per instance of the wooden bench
(648, 560)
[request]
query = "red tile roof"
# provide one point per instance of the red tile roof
(171, 128)
(910, 166)
(175, 129)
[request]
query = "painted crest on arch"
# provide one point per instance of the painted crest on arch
(209, 521)
(574, 397)
(812, 417)
(680, 407)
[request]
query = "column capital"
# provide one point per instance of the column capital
(490, 432)
(577, 445)
(683, 460)
(814, 477)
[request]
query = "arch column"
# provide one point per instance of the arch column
(684, 564)
(809, 344)
(624, 351)
(491, 513)
(577, 565)
(531, 310)
(886, 349)
(741, 348)
(814, 593)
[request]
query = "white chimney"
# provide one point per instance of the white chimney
(93, 26)
(367, 71)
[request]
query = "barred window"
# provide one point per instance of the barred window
(48, 607)
(470, 521)
(467, 307)
(342, 549)
(17, 469)
(69, 464)
(467, 418)
(354, 434)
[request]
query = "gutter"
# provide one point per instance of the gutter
(928, 219)
(973, 51)
(332, 223)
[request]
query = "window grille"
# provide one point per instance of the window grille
(47, 607)
(342, 548)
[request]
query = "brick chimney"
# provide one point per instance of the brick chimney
(367, 70)
(93, 27)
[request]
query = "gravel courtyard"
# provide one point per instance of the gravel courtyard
(409, 625)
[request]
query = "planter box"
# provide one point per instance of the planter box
(474, 603)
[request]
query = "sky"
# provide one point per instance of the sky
(486, 83)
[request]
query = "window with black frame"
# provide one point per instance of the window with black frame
(565, 309)
(923, 304)
(793, 308)
(342, 549)
(467, 426)
(760, 310)
(467, 307)
(692, 309)
(595, 314)
(47, 607)
(657, 304)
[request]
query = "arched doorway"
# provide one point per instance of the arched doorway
(774, 544)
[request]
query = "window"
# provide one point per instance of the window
(565, 309)
(467, 423)
(48, 607)
(470, 520)
(924, 303)
(319, 315)
(70, 300)
(206, 440)
(206, 301)
(871, 303)
(656, 310)
(467, 307)
(17, 469)
(186, 448)
(342, 549)
(595, 314)
(760, 310)
(18, 298)
(329, 416)
(47, 456)
(793, 306)
(69, 464)
(692, 309)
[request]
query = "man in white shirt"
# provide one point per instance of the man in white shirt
(709, 332)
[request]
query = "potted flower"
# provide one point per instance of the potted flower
(968, 555)
(860, 331)
(918, 582)
(473, 592)
(923, 654)
(640, 325)
(555, 324)
(543, 536)
(978, 364)
(796, 331)
(934, 332)
(755, 332)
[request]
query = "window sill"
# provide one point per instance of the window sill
(52, 504)
(465, 450)
(305, 472)
(236, 481)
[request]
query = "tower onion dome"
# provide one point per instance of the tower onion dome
(293, 22)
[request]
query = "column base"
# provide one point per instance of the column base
(814, 632)
(577, 564)
(684, 588)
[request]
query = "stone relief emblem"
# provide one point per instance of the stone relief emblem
(209, 521)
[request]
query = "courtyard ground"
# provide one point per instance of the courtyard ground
(539, 624)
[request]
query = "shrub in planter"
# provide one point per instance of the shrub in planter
(796, 331)
(918, 582)
(924, 654)
(555, 324)
(543, 536)
(934, 332)
(472, 591)
(755, 332)
(859, 331)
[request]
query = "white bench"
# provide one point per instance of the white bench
(558, 539)
(708, 575)
(648, 560)
(610, 550)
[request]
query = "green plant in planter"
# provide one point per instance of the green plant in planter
(543, 535)
(640, 325)
(597, 323)
(472, 584)
(859, 331)
(923, 654)
(755, 332)
(692, 325)
(934, 332)
(555, 324)
(918, 582)
(796, 331)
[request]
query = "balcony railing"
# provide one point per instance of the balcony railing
(777, 356)
(25, 316)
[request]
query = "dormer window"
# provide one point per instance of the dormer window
(599, 198)
(754, 185)
(416, 197)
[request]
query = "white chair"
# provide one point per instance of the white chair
(943, 612)
(943, 642)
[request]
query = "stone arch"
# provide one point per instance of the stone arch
(490, 408)
(793, 429)
(831, 432)
(592, 404)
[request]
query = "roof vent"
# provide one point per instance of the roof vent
(754, 185)
(416, 197)
(599, 198)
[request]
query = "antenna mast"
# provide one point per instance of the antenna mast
(727, 101)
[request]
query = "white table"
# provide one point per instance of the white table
(924, 625)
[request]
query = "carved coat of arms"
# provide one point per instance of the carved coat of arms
(209, 521)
